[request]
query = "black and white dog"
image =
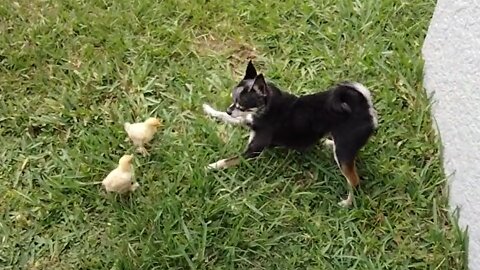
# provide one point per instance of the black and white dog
(276, 118)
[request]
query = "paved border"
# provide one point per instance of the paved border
(452, 75)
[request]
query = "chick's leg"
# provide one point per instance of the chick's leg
(140, 147)
(142, 150)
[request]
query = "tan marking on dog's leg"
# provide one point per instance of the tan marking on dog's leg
(224, 163)
(350, 172)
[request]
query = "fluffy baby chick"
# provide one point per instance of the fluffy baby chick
(142, 133)
(120, 179)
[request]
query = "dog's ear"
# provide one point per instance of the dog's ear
(260, 86)
(251, 72)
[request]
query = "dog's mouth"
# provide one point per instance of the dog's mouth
(240, 112)
(237, 113)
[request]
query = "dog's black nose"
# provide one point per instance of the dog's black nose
(230, 110)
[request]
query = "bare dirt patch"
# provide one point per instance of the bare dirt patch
(236, 51)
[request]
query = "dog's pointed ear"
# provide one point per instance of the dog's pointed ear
(260, 86)
(251, 72)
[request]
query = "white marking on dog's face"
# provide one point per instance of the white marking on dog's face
(249, 118)
(235, 95)
(238, 112)
(245, 99)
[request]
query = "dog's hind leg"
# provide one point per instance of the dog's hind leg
(346, 146)
(345, 160)
(350, 172)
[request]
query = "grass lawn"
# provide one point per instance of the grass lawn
(72, 72)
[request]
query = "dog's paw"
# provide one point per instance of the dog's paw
(329, 143)
(212, 166)
(221, 164)
(209, 110)
(345, 203)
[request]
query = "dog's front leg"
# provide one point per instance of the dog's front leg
(223, 116)
(224, 163)
(255, 147)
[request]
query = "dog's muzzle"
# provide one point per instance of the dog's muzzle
(230, 109)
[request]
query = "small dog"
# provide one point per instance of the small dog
(276, 118)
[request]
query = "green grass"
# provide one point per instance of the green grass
(73, 71)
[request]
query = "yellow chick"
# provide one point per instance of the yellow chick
(120, 179)
(142, 133)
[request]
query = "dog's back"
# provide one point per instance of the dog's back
(299, 122)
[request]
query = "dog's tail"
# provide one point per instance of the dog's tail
(349, 96)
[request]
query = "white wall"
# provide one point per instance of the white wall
(452, 73)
